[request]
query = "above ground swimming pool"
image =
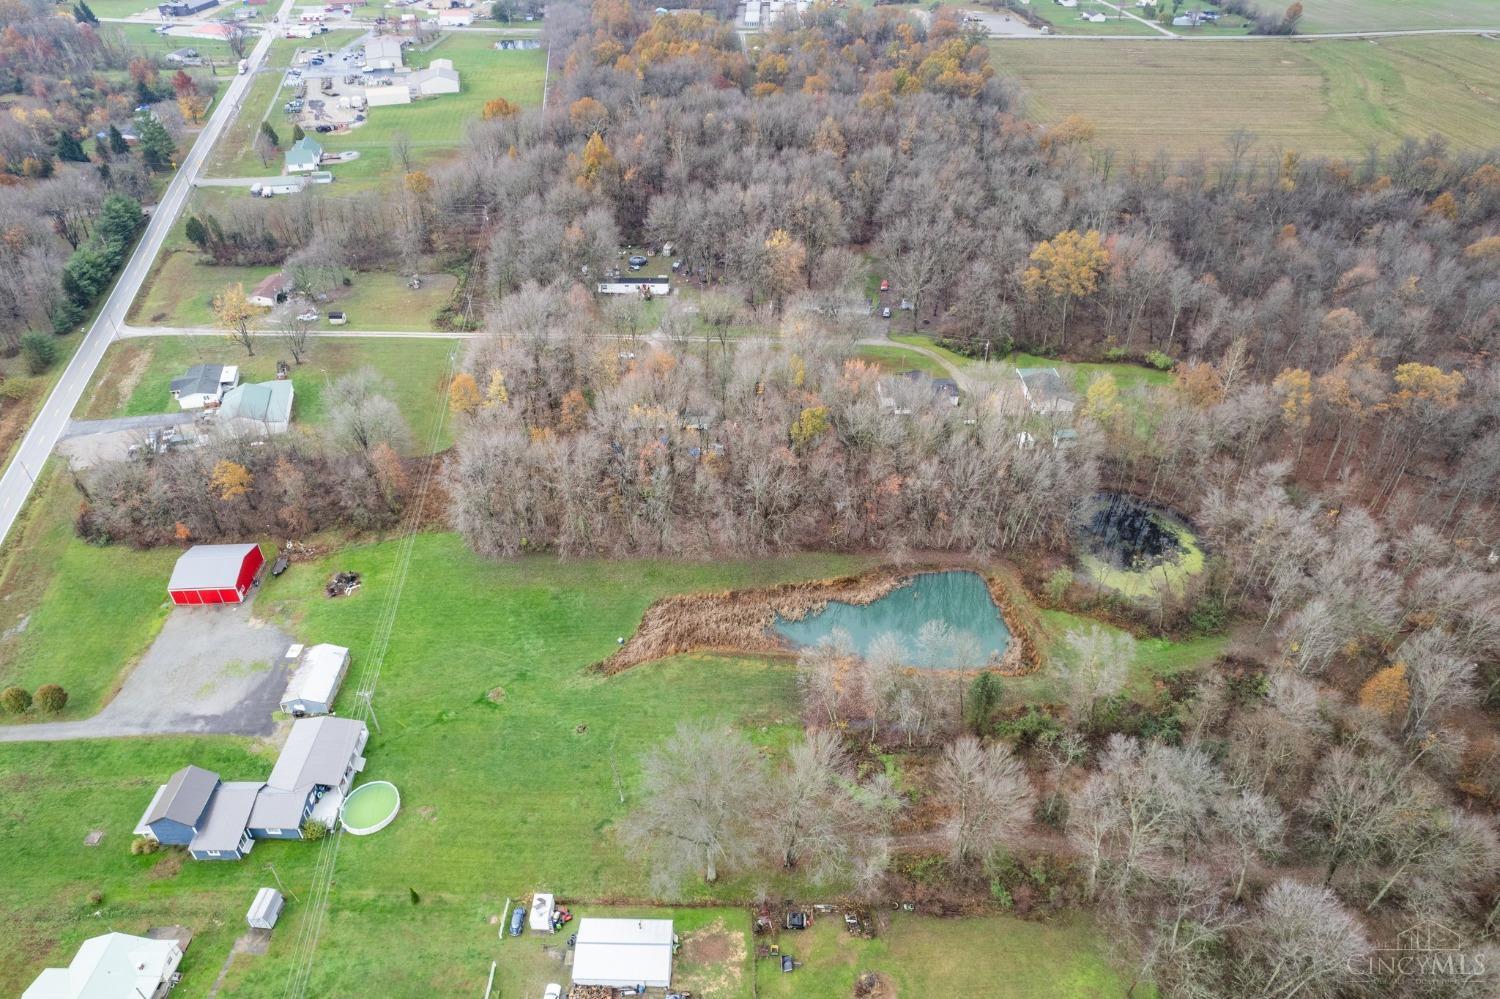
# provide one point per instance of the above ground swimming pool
(959, 599)
(370, 807)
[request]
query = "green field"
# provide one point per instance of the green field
(145, 38)
(1394, 15)
(897, 360)
(1327, 97)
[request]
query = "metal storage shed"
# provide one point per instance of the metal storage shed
(542, 904)
(316, 682)
(619, 953)
(215, 574)
(265, 910)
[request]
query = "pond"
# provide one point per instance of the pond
(1134, 547)
(969, 632)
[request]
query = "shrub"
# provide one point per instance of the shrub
(1209, 616)
(15, 700)
(143, 846)
(1160, 361)
(1030, 728)
(1058, 584)
(313, 830)
(1114, 353)
(96, 897)
(40, 351)
(51, 698)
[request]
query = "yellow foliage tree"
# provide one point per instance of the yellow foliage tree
(1294, 386)
(1424, 383)
(233, 312)
(499, 108)
(575, 412)
(810, 424)
(596, 164)
(588, 115)
(1444, 206)
(786, 260)
(463, 394)
(230, 479)
(1066, 267)
(1199, 383)
(1101, 403)
(1487, 248)
(1386, 693)
(496, 394)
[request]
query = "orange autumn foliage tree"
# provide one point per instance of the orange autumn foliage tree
(1386, 693)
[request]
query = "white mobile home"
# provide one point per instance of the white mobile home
(620, 953)
(316, 681)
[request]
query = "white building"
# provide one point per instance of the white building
(205, 384)
(438, 78)
(455, 18)
(315, 684)
(265, 910)
(635, 286)
(383, 53)
(619, 953)
(113, 966)
(540, 918)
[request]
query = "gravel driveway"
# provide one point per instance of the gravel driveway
(213, 670)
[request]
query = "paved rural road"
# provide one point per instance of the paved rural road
(1173, 37)
(17, 482)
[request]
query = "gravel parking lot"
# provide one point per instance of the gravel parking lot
(214, 670)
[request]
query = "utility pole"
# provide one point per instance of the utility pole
(284, 889)
(367, 696)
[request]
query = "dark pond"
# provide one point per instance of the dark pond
(1126, 534)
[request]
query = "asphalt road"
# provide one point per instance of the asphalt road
(17, 482)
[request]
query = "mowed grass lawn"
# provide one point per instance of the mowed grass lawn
(136, 376)
(1325, 97)
(181, 291)
(435, 126)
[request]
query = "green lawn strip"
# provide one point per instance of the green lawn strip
(899, 359)
(147, 39)
(999, 956)
(88, 612)
(928, 344)
(415, 372)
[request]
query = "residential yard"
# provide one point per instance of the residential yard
(145, 38)
(1325, 97)
(1070, 20)
(136, 375)
(181, 290)
(897, 359)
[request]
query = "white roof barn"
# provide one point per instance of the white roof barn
(110, 967)
(619, 953)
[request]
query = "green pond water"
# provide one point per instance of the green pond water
(958, 600)
(368, 804)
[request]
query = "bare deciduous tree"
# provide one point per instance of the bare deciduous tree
(987, 796)
(1094, 667)
(1299, 942)
(696, 807)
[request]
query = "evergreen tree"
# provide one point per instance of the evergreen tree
(101, 149)
(117, 143)
(119, 219)
(157, 147)
(984, 698)
(270, 133)
(297, 134)
(69, 149)
(196, 232)
(83, 15)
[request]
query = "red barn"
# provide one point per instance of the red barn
(215, 574)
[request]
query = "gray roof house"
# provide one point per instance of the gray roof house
(304, 156)
(177, 811)
(223, 835)
(1046, 392)
(221, 820)
(258, 408)
(204, 385)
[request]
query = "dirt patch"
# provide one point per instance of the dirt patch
(713, 960)
(495, 695)
(167, 867)
(743, 620)
(125, 384)
(874, 985)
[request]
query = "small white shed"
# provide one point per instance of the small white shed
(265, 910)
(620, 953)
(542, 905)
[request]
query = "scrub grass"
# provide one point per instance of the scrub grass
(415, 372)
(1319, 98)
(1146, 582)
(896, 360)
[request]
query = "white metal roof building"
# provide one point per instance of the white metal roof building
(109, 967)
(316, 681)
(265, 910)
(619, 953)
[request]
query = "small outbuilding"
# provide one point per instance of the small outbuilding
(621, 953)
(542, 904)
(257, 408)
(204, 384)
(316, 681)
(215, 574)
(265, 910)
(272, 289)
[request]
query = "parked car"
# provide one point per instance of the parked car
(310, 316)
(885, 284)
(517, 920)
(636, 267)
(552, 991)
(636, 261)
(885, 313)
(324, 129)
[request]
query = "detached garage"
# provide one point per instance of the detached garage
(619, 953)
(215, 574)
